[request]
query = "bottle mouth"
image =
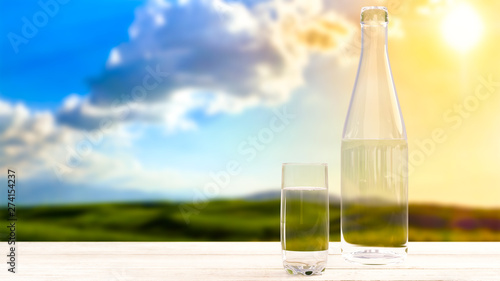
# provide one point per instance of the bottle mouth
(374, 15)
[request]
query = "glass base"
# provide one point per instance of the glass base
(374, 255)
(305, 262)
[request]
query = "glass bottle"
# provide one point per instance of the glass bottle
(374, 165)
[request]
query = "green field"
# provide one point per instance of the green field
(227, 220)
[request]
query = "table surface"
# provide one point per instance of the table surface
(121, 261)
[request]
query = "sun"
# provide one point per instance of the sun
(462, 27)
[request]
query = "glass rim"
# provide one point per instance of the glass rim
(304, 164)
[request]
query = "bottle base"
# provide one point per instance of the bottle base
(375, 255)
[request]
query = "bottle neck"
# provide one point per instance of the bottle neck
(374, 109)
(374, 39)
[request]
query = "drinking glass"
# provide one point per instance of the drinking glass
(304, 218)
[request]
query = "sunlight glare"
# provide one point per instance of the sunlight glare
(462, 28)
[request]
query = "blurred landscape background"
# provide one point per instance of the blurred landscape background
(229, 220)
(157, 120)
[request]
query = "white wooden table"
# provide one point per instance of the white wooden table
(121, 261)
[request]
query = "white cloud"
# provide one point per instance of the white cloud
(125, 172)
(28, 138)
(114, 58)
(223, 56)
(46, 153)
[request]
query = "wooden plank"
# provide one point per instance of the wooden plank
(122, 274)
(150, 248)
(454, 248)
(241, 261)
(230, 248)
(121, 261)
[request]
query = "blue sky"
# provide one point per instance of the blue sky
(170, 92)
(220, 92)
(64, 54)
